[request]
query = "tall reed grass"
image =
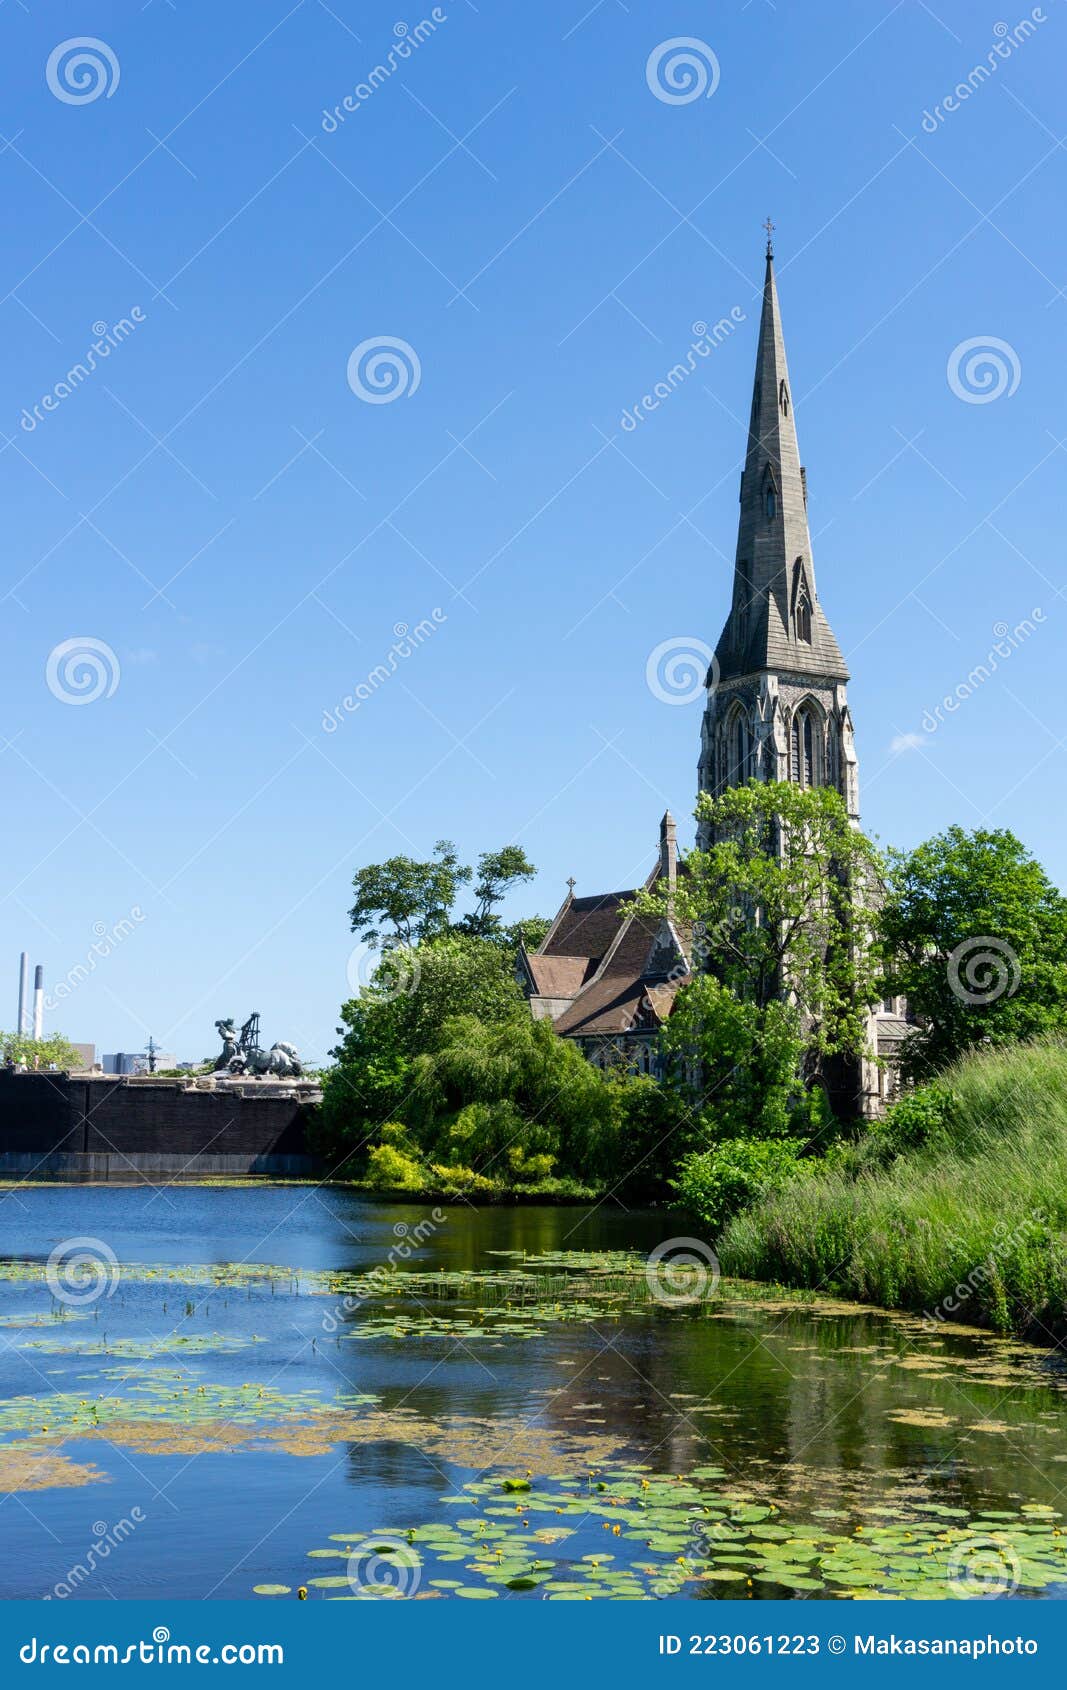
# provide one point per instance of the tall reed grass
(972, 1226)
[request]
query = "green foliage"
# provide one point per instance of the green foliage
(406, 902)
(717, 1184)
(747, 1056)
(975, 934)
(388, 1169)
(781, 901)
(915, 1119)
(487, 1091)
(54, 1052)
(971, 1224)
(402, 901)
(499, 872)
(396, 1019)
(529, 932)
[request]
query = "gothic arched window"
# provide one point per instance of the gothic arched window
(803, 749)
(737, 751)
(803, 615)
(801, 603)
(783, 398)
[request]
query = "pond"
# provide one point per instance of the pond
(231, 1391)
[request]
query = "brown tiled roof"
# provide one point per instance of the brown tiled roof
(614, 1003)
(587, 926)
(559, 976)
(608, 1003)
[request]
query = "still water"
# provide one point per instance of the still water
(238, 1393)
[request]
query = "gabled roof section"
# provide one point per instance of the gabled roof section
(620, 972)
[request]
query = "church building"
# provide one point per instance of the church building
(777, 710)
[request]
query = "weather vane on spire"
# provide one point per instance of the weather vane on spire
(769, 226)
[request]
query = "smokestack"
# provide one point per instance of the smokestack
(24, 980)
(38, 1001)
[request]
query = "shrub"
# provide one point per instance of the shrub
(388, 1169)
(718, 1183)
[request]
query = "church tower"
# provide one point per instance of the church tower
(777, 706)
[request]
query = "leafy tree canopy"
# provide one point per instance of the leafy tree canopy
(406, 902)
(53, 1052)
(975, 933)
(780, 903)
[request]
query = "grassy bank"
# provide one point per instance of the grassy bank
(970, 1224)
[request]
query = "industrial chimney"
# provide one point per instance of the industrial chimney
(24, 980)
(38, 1002)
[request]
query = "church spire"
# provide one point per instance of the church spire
(776, 621)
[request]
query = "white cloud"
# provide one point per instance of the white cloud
(905, 742)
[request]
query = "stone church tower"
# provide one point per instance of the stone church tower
(777, 707)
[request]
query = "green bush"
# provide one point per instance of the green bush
(919, 1116)
(717, 1184)
(389, 1169)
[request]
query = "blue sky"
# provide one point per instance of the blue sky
(242, 532)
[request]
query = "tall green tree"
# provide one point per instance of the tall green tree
(403, 901)
(781, 907)
(398, 1017)
(499, 872)
(975, 933)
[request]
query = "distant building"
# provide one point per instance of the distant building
(87, 1054)
(136, 1062)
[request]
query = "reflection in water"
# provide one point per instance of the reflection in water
(819, 1412)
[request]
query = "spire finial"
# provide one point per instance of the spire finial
(769, 226)
(572, 883)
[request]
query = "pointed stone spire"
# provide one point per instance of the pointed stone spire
(776, 621)
(668, 849)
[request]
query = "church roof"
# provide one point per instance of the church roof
(620, 973)
(774, 575)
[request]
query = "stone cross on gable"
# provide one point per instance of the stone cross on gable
(572, 883)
